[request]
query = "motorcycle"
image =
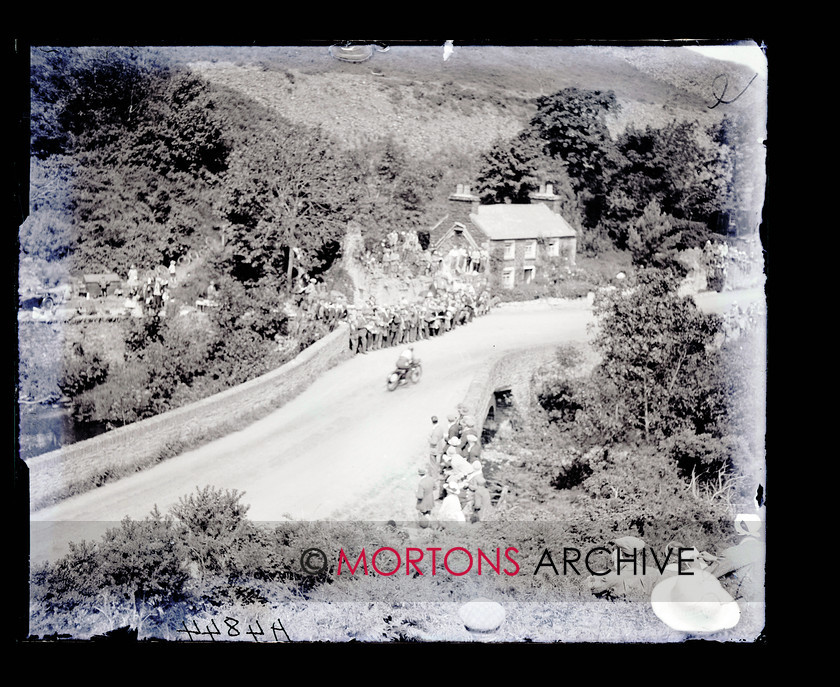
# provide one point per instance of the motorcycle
(402, 376)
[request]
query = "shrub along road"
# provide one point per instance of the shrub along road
(344, 449)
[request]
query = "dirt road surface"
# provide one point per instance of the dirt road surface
(344, 449)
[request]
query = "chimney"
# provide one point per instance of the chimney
(462, 203)
(546, 196)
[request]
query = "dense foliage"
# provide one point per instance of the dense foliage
(285, 202)
(666, 379)
(137, 162)
(130, 152)
(204, 562)
(652, 344)
(681, 173)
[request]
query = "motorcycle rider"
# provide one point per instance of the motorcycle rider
(405, 360)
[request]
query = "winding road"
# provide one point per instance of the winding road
(344, 449)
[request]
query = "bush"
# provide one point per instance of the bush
(641, 487)
(212, 522)
(144, 560)
(134, 573)
(709, 460)
(573, 475)
(557, 397)
(83, 370)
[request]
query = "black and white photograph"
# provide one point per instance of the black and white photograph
(388, 342)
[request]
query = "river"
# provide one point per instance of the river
(47, 427)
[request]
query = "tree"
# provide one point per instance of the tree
(285, 201)
(652, 342)
(510, 170)
(140, 150)
(515, 168)
(573, 124)
(678, 167)
(741, 153)
(86, 98)
(82, 370)
(655, 238)
(47, 233)
(122, 398)
(385, 190)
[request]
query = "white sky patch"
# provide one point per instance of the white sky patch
(746, 52)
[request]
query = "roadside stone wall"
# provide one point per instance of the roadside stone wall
(143, 443)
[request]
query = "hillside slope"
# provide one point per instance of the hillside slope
(436, 106)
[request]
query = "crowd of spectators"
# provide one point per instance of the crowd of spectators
(401, 254)
(453, 488)
(374, 326)
(738, 321)
(729, 267)
(150, 293)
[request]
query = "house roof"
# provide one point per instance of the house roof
(471, 234)
(514, 221)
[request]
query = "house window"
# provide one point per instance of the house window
(507, 278)
(530, 250)
(554, 247)
(510, 250)
(528, 274)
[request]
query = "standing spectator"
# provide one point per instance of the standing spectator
(483, 302)
(436, 441)
(466, 426)
(381, 327)
(373, 333)
(358, 333)
(396, 327)
(427, 263)
(481, 502)
(147, 292)
(133, 281)
(447, 320)
(472, 449)
(423, 317)
(157, 294)
(300, 291)
(450, 510)
(173, 276)
(413, 323)
(402, 332)
(431, 318)
(425, 496)
(453, 429)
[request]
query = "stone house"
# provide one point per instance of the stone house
(512, 242)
